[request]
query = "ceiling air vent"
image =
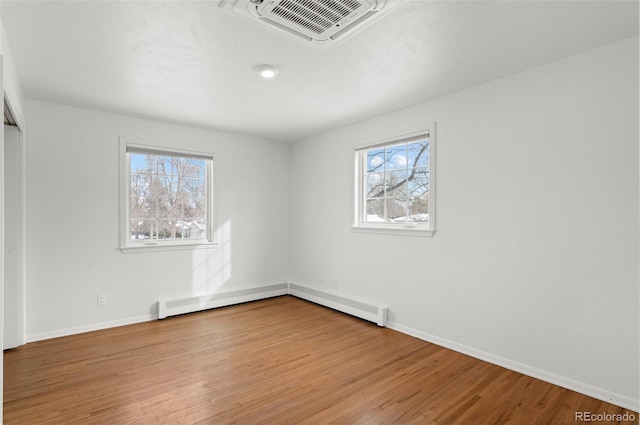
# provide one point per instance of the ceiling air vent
(321, 23)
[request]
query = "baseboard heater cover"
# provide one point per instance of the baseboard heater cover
(366, 310)
(168, 308)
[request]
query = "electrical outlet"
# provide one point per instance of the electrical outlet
(102, 299)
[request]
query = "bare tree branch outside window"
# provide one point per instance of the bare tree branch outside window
(168, 199)
(397, 183)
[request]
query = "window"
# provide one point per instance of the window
(394, 185)
(166, 197)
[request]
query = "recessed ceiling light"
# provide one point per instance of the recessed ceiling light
(267, 71)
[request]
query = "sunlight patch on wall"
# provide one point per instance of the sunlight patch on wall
(212, 267)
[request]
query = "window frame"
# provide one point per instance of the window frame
(360, 199)
(128, 146)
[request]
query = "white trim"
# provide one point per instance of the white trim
(20, 248)
(22, 231)
(14, 97)
(399, 139)
(126, 246)
(544, 375)
(134, 147)
(393, 230)
(155, 247)
(89, 328)
(256, 293)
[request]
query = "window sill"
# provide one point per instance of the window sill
(394, 230)
(151, 247)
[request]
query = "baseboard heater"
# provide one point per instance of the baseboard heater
(168, 308)
(366, 310)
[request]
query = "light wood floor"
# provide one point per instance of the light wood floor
(277, 361)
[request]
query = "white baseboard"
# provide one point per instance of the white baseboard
(544, 375)
(88, 328)
(234, 297)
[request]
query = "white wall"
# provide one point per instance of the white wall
(534, 263)
(73, 221)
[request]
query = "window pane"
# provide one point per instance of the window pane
(164, 207)
(191, 167)
(138, 208)
(419, 208)
(143, 163)
(419, 153)
(375, 160)
(168, 198)
(166, 166)
(419, 195)
(375, 210)
(141, 229)
(396, 183)
(193, 186)
(420, 180)
(397, 209)
(191, 207)
(166, 229)
(191, 229)
(375, 184)
(396, 158)
(417, 191)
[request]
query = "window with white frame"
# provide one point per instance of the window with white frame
(395, 185)
(166, 197)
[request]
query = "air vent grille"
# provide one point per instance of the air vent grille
(315, 16)
(314, 19)
(318, 22)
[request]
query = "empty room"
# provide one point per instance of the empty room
(320, 212)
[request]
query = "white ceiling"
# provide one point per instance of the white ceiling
(189, 62)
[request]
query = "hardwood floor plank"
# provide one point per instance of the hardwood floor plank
(277, 361)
